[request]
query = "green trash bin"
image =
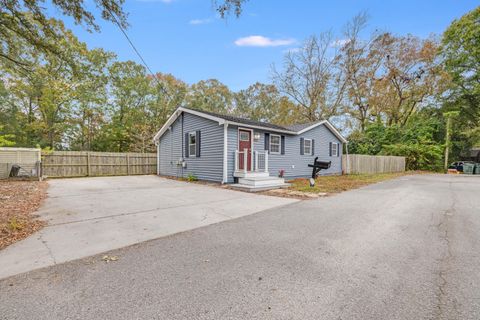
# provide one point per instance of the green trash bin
(468, 168)
(477, 168)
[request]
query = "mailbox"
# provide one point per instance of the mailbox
(316, 167)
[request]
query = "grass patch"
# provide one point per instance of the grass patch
(335, 184)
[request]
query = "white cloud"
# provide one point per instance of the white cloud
(199, 21)
(339, 43)
(261, 41)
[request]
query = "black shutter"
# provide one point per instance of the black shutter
(267, 141)
(282, 146)
(198, 142)
(302, 146)
(187, 141)
(338, 149)
(313, 147)
(330, 144)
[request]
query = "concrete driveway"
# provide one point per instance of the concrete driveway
(87, 216)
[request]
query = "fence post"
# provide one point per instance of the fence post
(88, 163)
(128, 164)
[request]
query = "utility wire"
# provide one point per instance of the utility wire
(134, 48)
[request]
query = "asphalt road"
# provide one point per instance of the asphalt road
(402, 249)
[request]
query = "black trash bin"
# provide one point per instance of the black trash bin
(14, 170)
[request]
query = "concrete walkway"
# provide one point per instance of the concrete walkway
(87, 216)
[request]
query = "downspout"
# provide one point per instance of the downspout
(225, 153)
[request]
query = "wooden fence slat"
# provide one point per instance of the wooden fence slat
(366, 164)
(86, 163)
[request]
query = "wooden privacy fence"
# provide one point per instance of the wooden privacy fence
(89, 164)
(359, 163)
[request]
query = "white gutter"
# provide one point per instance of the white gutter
(225, 153)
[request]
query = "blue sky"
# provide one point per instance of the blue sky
(187, 39)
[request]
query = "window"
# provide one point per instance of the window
(192, 144)
(274, 143)
(307, 146)
(334, 149)
(244, 136)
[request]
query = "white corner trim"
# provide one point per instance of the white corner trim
(225, 153)
(158, 159)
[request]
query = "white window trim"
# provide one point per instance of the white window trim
(279, 144)
(192, 144)
(334, 149)
(304, 145)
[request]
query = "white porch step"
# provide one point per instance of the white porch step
(249, 188)
(262, 181)
(250, 174)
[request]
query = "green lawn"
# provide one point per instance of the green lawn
(334, 184)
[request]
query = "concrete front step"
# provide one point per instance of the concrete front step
(250, 174)
(262, 181)
(249, 188)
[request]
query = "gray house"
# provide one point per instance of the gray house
(250, 153)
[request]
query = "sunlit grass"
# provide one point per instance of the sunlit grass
(335, 184)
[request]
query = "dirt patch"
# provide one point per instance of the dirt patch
(18, 202)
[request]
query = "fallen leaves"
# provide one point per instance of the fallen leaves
(107, 258)
(18, 201)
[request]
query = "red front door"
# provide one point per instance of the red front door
(245, 142)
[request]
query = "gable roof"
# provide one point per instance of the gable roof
(300, 126)
(222, 119)
(230, 118)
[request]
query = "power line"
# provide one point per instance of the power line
(134, 48)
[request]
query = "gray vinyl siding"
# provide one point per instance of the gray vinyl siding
(232, 145)
(294, 164)
(209, 166)
(170, 149)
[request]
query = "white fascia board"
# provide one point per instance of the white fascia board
(177, 113)
(329, 126)
(260, 128)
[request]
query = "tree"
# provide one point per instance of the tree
(88, 110)
(416, 141)
(129, 93)
(168, 94)
(41, 100)
(461, 53)
(360, 62)
(210, 95)
(5, 139)
(411, 76)
(29, 21)
(258, 102)
(312, 78)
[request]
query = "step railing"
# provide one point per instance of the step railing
(258, 161)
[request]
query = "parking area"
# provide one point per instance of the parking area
(87, 216)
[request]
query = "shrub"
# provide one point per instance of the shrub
(192, 177)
